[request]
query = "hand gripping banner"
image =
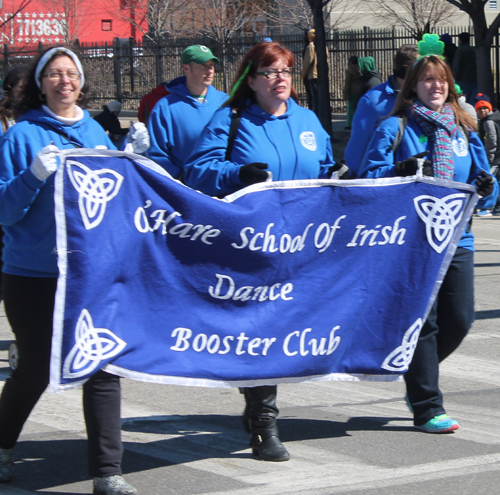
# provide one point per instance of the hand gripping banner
(280, 282)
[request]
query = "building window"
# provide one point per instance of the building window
(107, 25)
(493, 5)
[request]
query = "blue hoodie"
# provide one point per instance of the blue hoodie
(176, 122)
(26, 203)
(372, 107)
(294, 146)
(468, 161)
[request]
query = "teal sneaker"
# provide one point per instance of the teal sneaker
(440, 424)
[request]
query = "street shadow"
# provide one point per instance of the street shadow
(40, 465)
(234, 438)
(4, 344)
(485, 265)
(489, 314)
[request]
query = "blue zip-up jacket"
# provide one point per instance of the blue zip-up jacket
(294, 146)
(26, 203)
(372, 107)
(468, 160)
(176, 123)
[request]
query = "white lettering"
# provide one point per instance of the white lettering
(183, 336)
(326, 242)
(391, 234)
(286, 243)
(244, 238)
(286, 343)
(216, 292)
(248, 292)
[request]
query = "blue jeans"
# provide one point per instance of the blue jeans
(447, 325)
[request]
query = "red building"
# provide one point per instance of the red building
(58, 21)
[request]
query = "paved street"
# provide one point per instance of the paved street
(351, 438)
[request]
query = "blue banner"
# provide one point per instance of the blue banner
(280, 282)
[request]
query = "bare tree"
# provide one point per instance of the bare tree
(221, 20)
(154, 18)
(337, 14)
(78, 16)
(324, 112)
(483, 38)
(16, 9)
(417, 16)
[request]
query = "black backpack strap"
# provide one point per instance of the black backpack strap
(64, 135)
(465, 132)
(233, 130)
(403, 122)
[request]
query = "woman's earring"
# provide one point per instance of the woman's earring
(41, 96)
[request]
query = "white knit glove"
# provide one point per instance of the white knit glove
(45, 162)
(137, 138)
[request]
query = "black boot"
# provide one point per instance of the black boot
(245, 418)
(260, 417)
(265, 441)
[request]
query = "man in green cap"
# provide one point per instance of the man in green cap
(178, 119)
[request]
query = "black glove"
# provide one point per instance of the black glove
(253, 173)
(484, 184)
(410, 166)
(341, 168)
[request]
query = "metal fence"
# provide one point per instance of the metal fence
(126, 71)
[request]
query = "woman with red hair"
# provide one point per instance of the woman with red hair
(275, 138)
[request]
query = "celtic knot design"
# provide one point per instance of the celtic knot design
(400, 358)
(440, 216)
(95, 189)
(93, 345)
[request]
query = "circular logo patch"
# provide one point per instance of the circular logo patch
(460, 147)
(308, 140)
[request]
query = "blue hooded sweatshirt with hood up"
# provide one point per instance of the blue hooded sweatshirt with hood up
(26, 203)
(372, 107)
(294, 146)
(176, 122)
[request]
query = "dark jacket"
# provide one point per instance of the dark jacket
(110, 122)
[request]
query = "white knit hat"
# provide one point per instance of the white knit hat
(48, 55)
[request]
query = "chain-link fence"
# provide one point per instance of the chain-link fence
(126, 71)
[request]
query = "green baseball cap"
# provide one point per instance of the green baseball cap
(198, 54)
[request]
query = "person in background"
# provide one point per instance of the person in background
(274, 135)
(310, 71)
(178, 119)
(464, 67)
(463, 103)
(110, 122)
(449, 48)
(489, 132)
(370, 75)
(12, 86)
(374, 105)
(149, 101)
(51, 120)
(352, 87)
(444, 133)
